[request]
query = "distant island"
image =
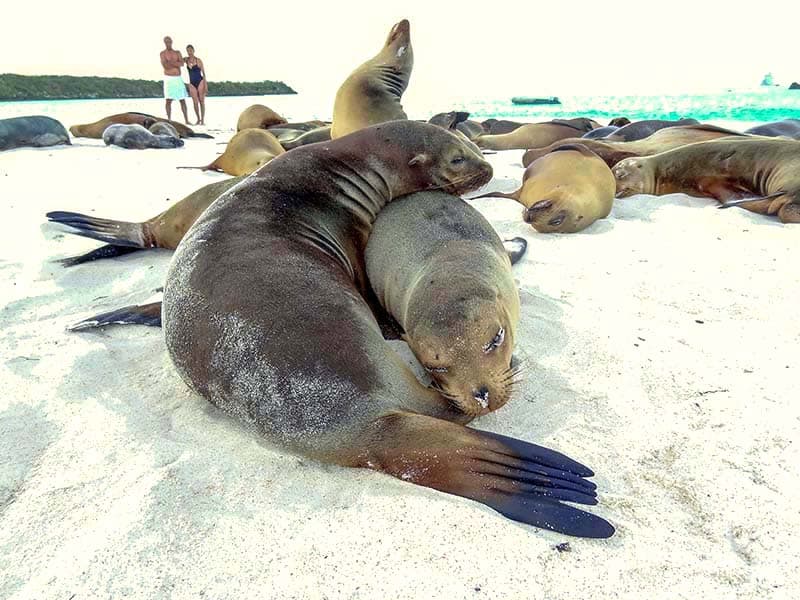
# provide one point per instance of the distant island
(68, 87)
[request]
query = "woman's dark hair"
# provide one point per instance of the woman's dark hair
(189, 46)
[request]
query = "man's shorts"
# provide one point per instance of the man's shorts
(174, 87)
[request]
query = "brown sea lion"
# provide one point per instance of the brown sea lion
(95, 130)
(536, 135)
(565, 191)
(297, 126)
(639, 130)
(245, 152)
(440, 270)
(164, 230)
(264, 316)
(372, 93)
(500, 126)
(787, 128)
(258, 116)
(320, 134)
(619, 122)
(660, 141)
(760, 174)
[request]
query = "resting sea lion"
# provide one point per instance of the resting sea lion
(642, 129)
(660, 141)
(320, 134)
(247, 150)
(164, 230)
(264, 315)
(163, 128)
(258, 116)
(536, 135)
(599, 133)
(95, 130)
(372, 93)
(788, 128)
(565, 191)
(136, 137)
(34, 131)
(619, 122)
(762, 175)
(438, 267)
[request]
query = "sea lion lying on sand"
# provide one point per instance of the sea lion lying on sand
(536, 135)
(247, 150)
(787, 128)
(136, 137)
(95, 130)
(639, 130)
(258, 116)
(35, 131)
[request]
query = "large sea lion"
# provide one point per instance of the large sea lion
(638, 130)
(372, 93)
(760, 174)
(536, 135)
(95, 130)
(258, 116)
(35, 131)
(565, 191)
(136, 137)
(164, 230)
(245, 152)
(787, 128)
(660, 141)
(440, 270)
(264, 316)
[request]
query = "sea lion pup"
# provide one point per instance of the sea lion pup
(247, 150)
(500, 126)
(565, 191)
(164, 230)
(95, 130)
(639, 130)
(35, 131)
(258, 116)
(458, 121)
(264, 315)
(787, 128)
(438, 267)
(760, 174)
(660, 141)
(536, 135)
(372, 93)
(136, 137)
(163, 128)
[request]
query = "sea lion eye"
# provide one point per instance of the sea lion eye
(457, 160)
(435, 369)
(497, 340)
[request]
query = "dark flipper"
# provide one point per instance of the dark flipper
(143, 314)
(522, 481)
(515, 247)
(738, 201)
(202, 135)
(116, 233)
(107, 251)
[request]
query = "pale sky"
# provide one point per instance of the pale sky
(471, 50)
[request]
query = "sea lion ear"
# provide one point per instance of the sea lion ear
(419, 159)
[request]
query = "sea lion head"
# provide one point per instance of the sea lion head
(76, 130)
(619, 122)
(633, 177)
(398, 42)
(467, 348)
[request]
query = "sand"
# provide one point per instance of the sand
(661, 350)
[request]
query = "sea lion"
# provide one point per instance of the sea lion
(258, 116)
(500, 126)
(619, 122)
(639, 130)
(660, 141)
(372, 93)
(136, 137)
(320, 134)
(95, 130)
(263, 315)
(787, 128)
(458, 121)
(35, 131)
(536, 135)
(163, 128)
(164, 230)
(245, 152)
(301, 125)
(760, 174)
(564, 191)
(440, 270)
(599, 133)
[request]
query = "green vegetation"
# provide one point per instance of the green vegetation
(67, 87)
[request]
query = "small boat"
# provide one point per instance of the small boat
(533, 100)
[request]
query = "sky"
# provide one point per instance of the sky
(461, 50)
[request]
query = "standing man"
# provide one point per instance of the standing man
(174, 87)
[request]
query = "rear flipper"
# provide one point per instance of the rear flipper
(143, 314)
(108, 251)
(116, 233)
(515, 248)
(738, 201)
(521, 481)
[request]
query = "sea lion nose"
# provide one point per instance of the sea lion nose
(482, 396)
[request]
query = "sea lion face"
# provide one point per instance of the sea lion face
(553, 215)
(467, 352)
(452, 164)
(633, 177)
(76, 130)
(398, 43)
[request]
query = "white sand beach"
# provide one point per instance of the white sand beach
(661, 347)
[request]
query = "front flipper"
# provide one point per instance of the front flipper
(107, 251)
(144, 314)
(521, 481)
(515, 248)
(739, 201)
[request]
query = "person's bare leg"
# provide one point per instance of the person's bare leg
(169, 109)
(202, 92)
(193, 93)
(185, 114)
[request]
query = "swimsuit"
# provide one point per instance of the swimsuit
(174, 87)
(195, 76)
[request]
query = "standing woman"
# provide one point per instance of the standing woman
(198, 86)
